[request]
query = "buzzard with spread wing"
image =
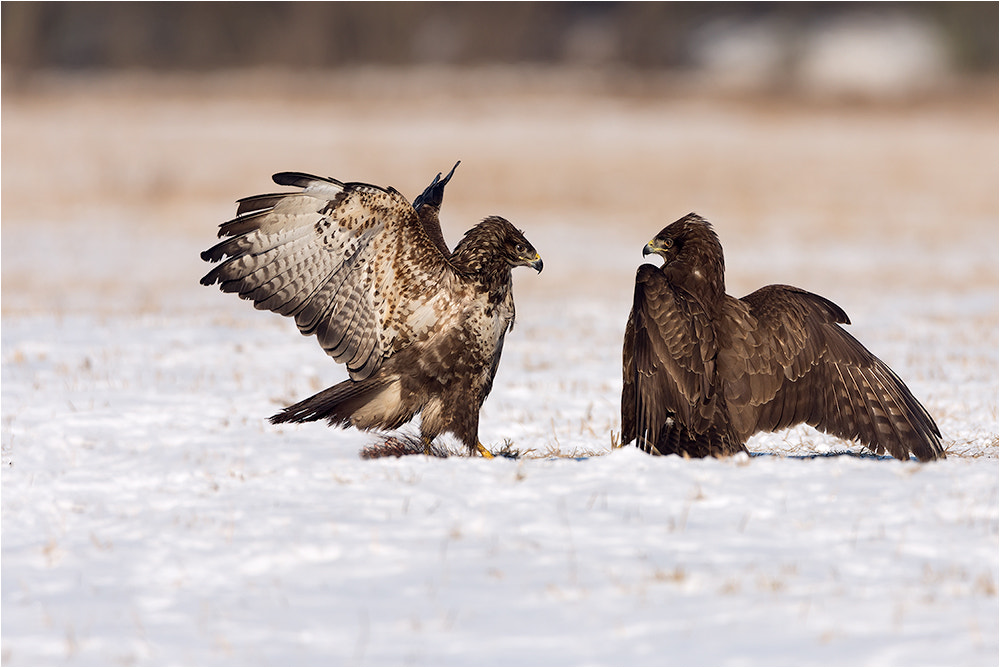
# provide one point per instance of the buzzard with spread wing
(704, 371)
(420, 328)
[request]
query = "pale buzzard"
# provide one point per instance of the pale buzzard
(419, 327)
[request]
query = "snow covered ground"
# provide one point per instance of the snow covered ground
(151, 515)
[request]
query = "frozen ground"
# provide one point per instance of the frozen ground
(150, 515)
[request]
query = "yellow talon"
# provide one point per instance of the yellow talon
(483, 451)
(427, 446)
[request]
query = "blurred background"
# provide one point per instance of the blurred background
(777, 43)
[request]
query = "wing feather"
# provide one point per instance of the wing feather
(668, 362)
(629, 381)
(349, 261)
(428, 206)
(806, 368)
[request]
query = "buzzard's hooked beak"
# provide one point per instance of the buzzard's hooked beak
(537, 263)
(657, 246)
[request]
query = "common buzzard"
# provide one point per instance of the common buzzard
(420, 328)
(704, 371)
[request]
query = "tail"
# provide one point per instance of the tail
(338, 404)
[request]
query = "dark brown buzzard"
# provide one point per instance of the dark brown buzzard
(704, 371)
(420, 328)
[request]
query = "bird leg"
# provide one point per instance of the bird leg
(480, 448)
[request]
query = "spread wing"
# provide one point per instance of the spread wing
(790, 362)
(351, 262)
(667, 360)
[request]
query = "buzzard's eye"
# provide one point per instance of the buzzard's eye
(668, 242)
(520, 248)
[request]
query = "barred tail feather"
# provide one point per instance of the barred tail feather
(373, 403)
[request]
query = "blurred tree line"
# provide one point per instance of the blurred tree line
(196, 36)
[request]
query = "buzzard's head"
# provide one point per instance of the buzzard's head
(518, 251)
(493, 246)
(691, 252)
(685, 239)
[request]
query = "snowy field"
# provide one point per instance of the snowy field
(151, 515)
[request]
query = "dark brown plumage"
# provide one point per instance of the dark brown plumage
(704, 371)
(419, 327)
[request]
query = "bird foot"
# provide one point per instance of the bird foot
(481, 449)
